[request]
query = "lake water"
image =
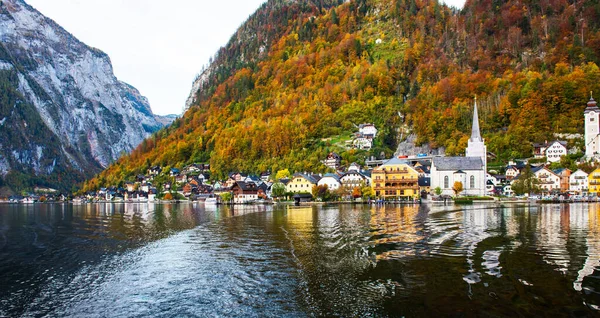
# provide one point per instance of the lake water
(124, 260)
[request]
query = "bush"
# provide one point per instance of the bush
(168, 196)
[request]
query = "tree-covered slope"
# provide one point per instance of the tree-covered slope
(395, 63)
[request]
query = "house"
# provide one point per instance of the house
(578, 182)
(508, 191)
(353, 179)
(181, 179)
(423, 171)
(564, 175)
(301, 183)
(555, 150)
(333, 160)
(424, 185)
(189, 189)
(491, 178)
(154, 171)
(145, 187)
(130, 186)
(512, 172)
(594, 182)
(353, 167)
(361, 142)
(548, 180)
(174, 172)
(395, 179)
(244, 192)
(331, 180)
(490, 187)
(367, 130)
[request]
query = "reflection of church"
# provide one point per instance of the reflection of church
(470, 170)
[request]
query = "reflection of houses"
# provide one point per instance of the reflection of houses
(333, 160)
(578, 182)
(395, 179)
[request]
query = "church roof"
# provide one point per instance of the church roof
(591, 106)
(458, 163)
(475, 133)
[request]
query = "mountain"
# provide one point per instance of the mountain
(411, 67)
(63, 114)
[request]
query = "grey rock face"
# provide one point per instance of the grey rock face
(92, 115)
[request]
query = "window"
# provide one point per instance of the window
(472, 182)
(446, 182)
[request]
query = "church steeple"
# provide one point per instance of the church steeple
(475, 134)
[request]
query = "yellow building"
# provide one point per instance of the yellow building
(301, 183)
(594, 182)
(395, 179)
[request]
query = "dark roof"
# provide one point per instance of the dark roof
(424, 182)
(246, 186)
(591, 106)
(303, 195)
(457, 163)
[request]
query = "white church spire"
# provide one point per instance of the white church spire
(475, 133)
(476, 146)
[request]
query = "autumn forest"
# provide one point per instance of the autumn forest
(299, 76)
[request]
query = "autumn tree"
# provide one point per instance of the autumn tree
(457, 187)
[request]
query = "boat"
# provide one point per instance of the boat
(211, 201)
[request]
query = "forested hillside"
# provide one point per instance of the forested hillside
(390, 62)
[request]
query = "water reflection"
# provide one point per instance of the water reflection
(348, 260)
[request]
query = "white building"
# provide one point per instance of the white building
(578, 182)
(367, 130)
(548, 180)
(592, 129)
(469, 170)
(556, 150)
(352, 179)
(331, 180)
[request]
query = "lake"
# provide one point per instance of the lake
(124, 260)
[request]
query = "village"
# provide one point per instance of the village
(407, 178)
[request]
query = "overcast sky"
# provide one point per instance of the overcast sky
(155, 45)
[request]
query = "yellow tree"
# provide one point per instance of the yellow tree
(457, 187)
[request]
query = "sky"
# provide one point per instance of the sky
(157, 46)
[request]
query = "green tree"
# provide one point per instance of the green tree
(367, 192)
(226, 197)
(437, 190)
(526, 182)
(278, 190)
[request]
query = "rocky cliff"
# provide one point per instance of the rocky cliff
(63, 113)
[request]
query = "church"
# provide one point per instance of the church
(470, 170)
